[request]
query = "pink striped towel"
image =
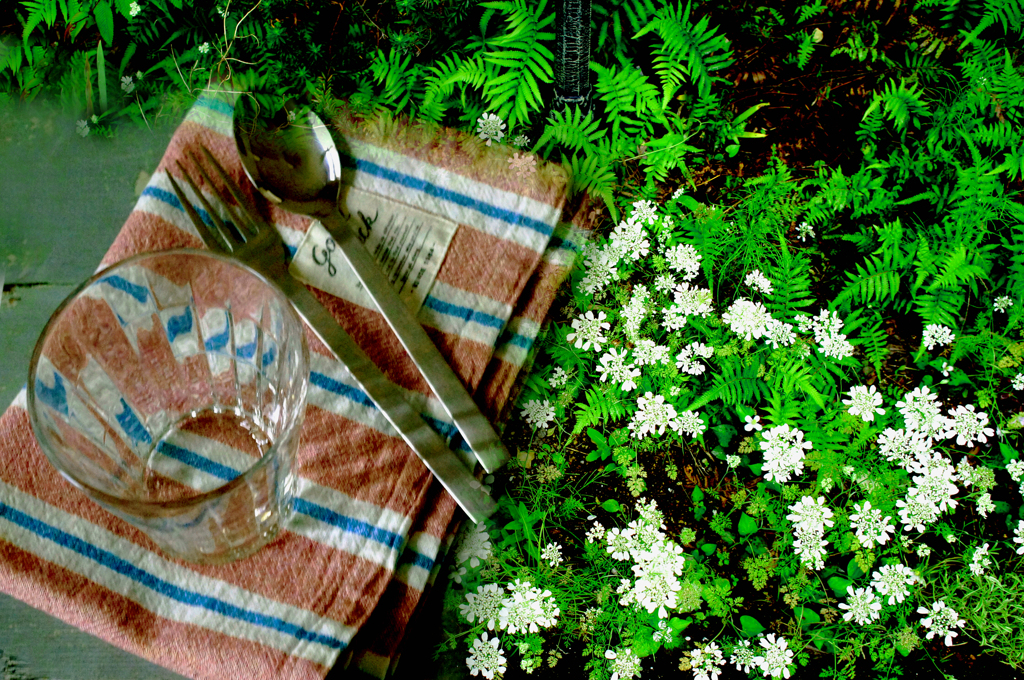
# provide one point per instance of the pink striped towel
(369, 529)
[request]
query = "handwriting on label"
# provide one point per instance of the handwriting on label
(325, 253)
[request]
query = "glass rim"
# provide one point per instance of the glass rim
(133, 505)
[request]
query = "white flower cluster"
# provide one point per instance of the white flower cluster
(922, 412)
(784, 450)
(558, 378)
(630, 240)
(706, 662)
(894, 581)
(776, 658)
(684, 259)
(657, 561)
(1002, 303)
(686, 360)
(645, 211)
(756, 279)
(940, 620)
(625, 664)
(980, 561)
(490, 128)
(804, 230)
(634, 313)
(528, 609)
(810, 516)
(862, 607)
(1017, 382)
(648, 353)
(870, 525)
(932, 492)
(936, 334)
(602, 268)
(864, 402)
(689, 301)
(967, 426)
(827, 328)
(538, 414)
(588, 330)
(747, 319)
(902, 447)
(653, 415)
(613, 364)
(487, 658)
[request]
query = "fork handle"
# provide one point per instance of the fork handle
(427, 444)
(475, 428)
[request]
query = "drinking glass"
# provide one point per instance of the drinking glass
(171, 388)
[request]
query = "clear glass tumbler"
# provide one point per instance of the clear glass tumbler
(171, 389)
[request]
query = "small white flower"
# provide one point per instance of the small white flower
(864, 402)
(204, 48)
(538, 415)
(980, 560)
(624, 664)
(127, 86)
(967, 426)
(747, 319)
(894, 580)
(776, 658)
(1018, 382)
(936, 334)
(1018, 536)
(732, 461)
(756, 279)
(521, 141)
(559, 378)
(483, 605)
(552, 554)
(870, 525)
(862, 607)
(1002, 303)
(490, 128)
(134, 10)
(753, 424)
(645, 211)
(941, 621)
(588, 331)
(804, 230)
(474, 545)
(487, 658)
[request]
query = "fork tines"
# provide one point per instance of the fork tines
(243, 220)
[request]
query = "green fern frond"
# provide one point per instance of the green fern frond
(689, 51)
(875, 282)
(600, 409)
(901, 103)
(523, 59)
(737, 384)
(572, 130)
(594, 175)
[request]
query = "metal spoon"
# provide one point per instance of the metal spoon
(297, 165)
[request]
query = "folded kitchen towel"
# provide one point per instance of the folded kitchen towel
(370, 524)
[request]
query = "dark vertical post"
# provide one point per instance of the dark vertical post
(572, 54)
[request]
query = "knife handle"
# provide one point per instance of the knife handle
(425, 442)
(474, 426)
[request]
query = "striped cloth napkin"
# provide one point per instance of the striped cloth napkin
(341, 584)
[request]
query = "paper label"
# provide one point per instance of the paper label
(407, 244)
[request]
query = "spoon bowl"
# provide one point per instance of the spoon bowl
(290, 157)
(293, 160)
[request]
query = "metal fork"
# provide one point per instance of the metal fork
(257, 244)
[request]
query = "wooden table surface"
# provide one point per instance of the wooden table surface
(64, 199)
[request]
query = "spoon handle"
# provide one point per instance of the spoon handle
(475, 428)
